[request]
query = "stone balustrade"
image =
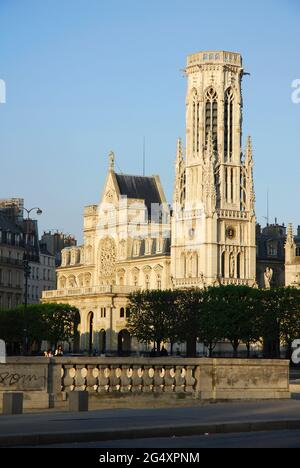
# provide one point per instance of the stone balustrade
(46, 380)
(234, 281)
(88, 291)
(130, 377)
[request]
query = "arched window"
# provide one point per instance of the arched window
(122, 312)
(102, 341)
(228, 125)
(90, 332)
(211, 116)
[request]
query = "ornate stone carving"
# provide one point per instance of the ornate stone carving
(107, 258)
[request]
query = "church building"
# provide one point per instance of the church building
(134, 240)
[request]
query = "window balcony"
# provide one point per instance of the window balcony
(11, 261)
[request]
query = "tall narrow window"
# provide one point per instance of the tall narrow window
(223, 259)
(196, 124)
(238, 261)
(198, 128)
(228, 125)
(211, 116)
(194, 129)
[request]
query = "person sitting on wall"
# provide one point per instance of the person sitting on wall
(59, 352)
(164, 352)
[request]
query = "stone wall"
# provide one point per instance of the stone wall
(29, 375)
(47, 381)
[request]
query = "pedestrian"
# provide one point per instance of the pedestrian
(59, 351)
(164, 352)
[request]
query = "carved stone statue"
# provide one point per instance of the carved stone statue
(87, 279)
(72, 282)
(268, 277)
(232, 266)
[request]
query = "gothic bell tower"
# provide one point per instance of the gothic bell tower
(213, 225)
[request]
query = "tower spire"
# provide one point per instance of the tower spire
(249, 164)
(290, 246)
(179, 153)
(112, 159)
(210, 192)
(179, 185)
(290, 235)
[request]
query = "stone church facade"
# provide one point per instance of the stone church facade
(134, 240)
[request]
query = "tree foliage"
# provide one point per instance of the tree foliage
(45, 322)
(235, 314)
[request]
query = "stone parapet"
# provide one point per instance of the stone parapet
(48, 380)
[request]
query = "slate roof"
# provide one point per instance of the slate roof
(141, 188)
(7, 225)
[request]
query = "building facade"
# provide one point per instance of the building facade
(11, 263)
(55, 242)
(270, 261)
(132, 240)
(19, 237)
(42, 275)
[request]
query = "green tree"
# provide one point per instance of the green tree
(289, 317)
(153, 317)
(240, 316)
(188, 308)
(46, 322)
(210, 330)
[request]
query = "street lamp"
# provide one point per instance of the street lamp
(27, 276)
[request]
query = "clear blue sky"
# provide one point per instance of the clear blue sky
(84, 77)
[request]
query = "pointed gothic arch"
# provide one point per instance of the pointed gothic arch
(211, 115)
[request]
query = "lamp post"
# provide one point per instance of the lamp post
(27, 276)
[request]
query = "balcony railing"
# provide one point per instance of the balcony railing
(11, 261)
(235, 281)
(91, 291)
(5, 286)
(198, 282)
(188, 282)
